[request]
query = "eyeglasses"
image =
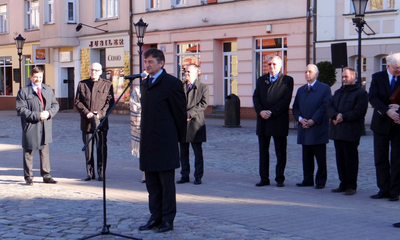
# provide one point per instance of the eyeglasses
(95, 70)
(269, 64)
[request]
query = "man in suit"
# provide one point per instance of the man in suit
(347, 109)
(309, 108)
(163, 125)
(93, 98)
(271, 100)
(37, 105)
(385, 125)
(197, 102)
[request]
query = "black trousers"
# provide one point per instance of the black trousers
(319, 152)
(44, 162)
(280, 151)
(101, 146)
(162, 195)
(347, 163)
(198, 160)
(387, 171)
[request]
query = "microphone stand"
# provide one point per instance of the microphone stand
(106, 228)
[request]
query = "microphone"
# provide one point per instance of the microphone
(131, 77)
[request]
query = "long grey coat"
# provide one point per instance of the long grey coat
(163, 123)
(36, 133)
(197, 102)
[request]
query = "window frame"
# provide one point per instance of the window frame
(4, 19)
(4, 73)
(150, 3)
(181, 3)
(180, 57)
(107, 9)
(385, 4)
(73, 20)
(32, 13)
(49, 15)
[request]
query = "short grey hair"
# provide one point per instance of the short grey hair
(393, 59)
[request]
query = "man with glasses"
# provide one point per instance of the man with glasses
(93, 98)
(271, 100)
(385, 125)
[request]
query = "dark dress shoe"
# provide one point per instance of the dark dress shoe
(182, 180)
(151, 224)
(197, 182)
(380, 195)
(280, 184)
(350, 191)
(319, 187)
(29, 182)
(262, 183)
(394, 198)
(88, 179)
(143, 181)
(165, 227)
(339, 189)
(49, 180)
(396, 225)
(100, 179)
(304, 184)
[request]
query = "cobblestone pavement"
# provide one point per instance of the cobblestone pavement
(226, 206)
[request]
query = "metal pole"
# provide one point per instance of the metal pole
(360, 26)
(20, 70)
(140, 44)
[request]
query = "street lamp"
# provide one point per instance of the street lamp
(358, 21)
(19, 42)
(140, 28)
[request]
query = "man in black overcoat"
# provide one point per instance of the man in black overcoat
(271, 100)
(163, 125)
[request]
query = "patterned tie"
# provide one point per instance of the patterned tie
(39, 93)
(309, 87)
(272, 79)
(189, 85)
(393, 84)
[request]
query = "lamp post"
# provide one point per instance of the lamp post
(19, 42)
(140, 28)
(358, 21)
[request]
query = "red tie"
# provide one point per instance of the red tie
(40, 96)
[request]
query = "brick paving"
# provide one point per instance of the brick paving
(226, 206)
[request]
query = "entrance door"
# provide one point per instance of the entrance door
(71, 90)
(230, 68)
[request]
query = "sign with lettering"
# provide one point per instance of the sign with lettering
(106, 43)
(115, 57)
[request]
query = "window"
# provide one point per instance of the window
(32, 14)
(363, 69)
(381, 4)
(6, 83)
(178, 3)
(3, 19)
(71, 14)
(152, 5)
(383, 64)
(187, 53)
(49, 11)
(107, 9)
(266, 48)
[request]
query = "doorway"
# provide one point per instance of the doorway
(230, 68)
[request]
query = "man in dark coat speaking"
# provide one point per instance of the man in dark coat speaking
(37, 105)
(163, 125)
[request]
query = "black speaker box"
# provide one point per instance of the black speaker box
(339, 55)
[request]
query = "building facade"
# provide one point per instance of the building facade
(334, 20)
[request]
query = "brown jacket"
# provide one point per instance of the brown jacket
(94, 96)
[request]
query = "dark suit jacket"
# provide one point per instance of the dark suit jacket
(163, 123)
(312, 105)
(197, 102)
(276, 98)
(379, 94)
(36, 133)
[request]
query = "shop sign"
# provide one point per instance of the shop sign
(115, 57)
(40, 55)
(106, 43)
